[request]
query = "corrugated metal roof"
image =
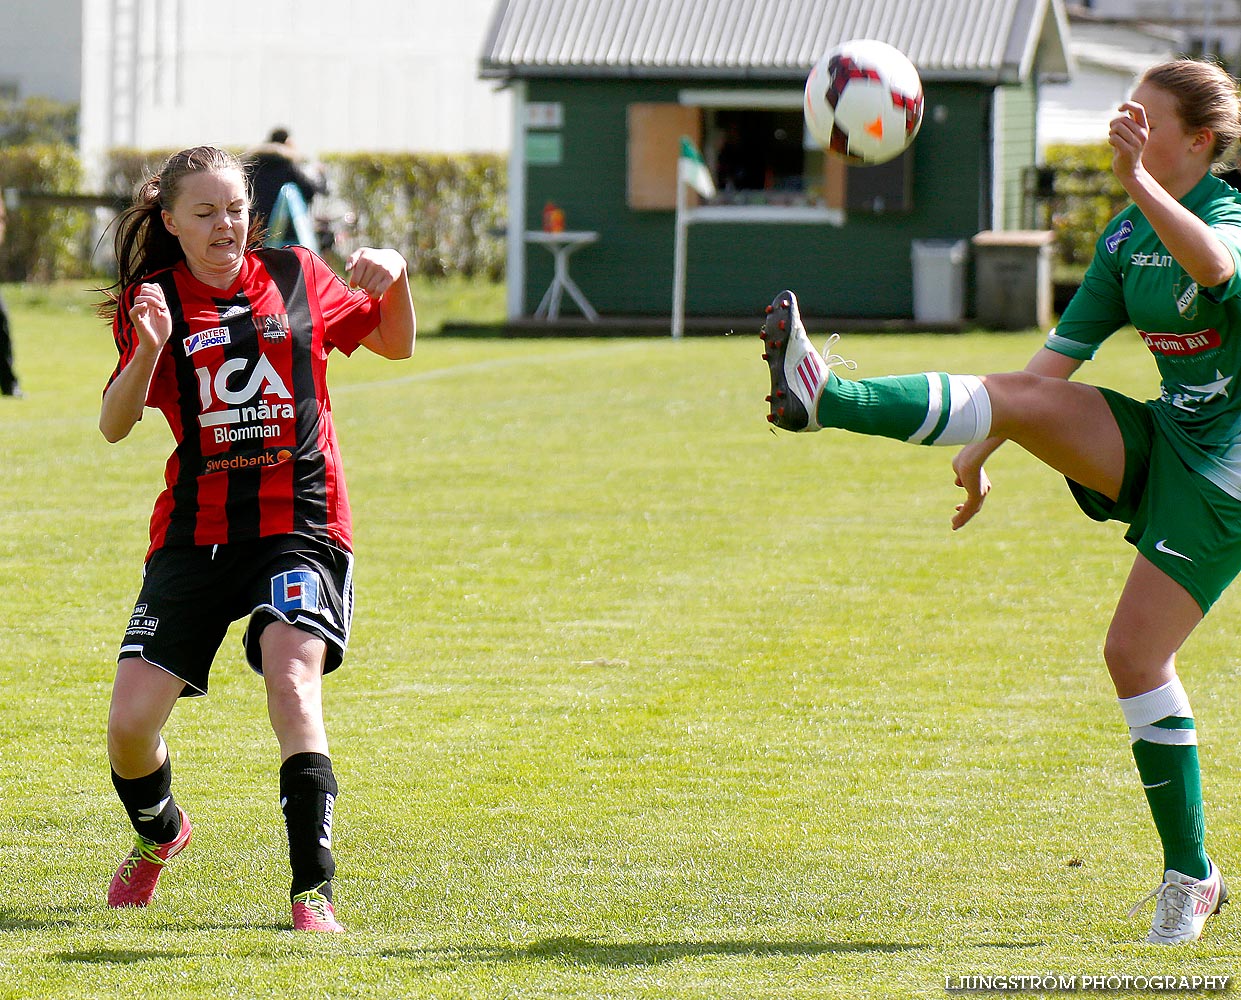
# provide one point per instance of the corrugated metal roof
(774, 39)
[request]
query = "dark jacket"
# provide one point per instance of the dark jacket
(271, 166)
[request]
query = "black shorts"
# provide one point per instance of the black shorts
(192, 594)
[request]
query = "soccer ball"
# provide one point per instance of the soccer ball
(864, 101)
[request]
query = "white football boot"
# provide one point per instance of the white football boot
(798, 371)
(1182, 906)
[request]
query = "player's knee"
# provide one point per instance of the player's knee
(1126, 656)
(292, 690)
(294, 687)
(130, 734)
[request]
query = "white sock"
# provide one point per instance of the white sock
(958, 411)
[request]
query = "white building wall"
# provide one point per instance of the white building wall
(390, 75)
(1202, 25)
(40, 49)
(1110, 59)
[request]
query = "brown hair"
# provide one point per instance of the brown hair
(1206, 97)
(142, 243)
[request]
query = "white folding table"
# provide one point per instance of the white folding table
(560, 246)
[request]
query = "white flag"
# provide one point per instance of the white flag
(693, 171)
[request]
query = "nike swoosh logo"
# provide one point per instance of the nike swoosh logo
(146, 815)
(1162, 546)
(1158, 784)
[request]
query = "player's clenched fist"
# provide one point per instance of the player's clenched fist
(151, 316)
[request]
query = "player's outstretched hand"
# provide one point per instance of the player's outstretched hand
(151, 317)
(971, 477)
(373, 270)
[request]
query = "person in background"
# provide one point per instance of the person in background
(271, 166)
(8, 377)
(231, 343)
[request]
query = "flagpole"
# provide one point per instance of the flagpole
(678, 266)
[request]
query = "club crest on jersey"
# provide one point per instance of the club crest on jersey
(1119, 237)
(296, 590)
(272, 326)
(1187, 299)
(215, 337)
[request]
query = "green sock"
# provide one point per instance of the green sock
(1165, 747)
(929, 408)
(1173, 784)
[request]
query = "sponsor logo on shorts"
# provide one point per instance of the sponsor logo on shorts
(140, 623)
(296, 590)
(1162, 546)
(1119, 237)
(215, 337)
(1182, 345)
(273, 326)
(253, 460)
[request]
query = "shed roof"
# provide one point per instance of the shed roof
(987, 40)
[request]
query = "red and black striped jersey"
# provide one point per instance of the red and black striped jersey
(242, 383)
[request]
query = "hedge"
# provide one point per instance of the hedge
(1086, 195)
(446, 214)
(43, 242)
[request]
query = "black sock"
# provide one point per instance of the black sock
(150, 805)
(307, 795)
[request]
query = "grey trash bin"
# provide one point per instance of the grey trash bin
(1012, 271)
(939, 280)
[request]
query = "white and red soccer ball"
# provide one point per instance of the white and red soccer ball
(864, 101)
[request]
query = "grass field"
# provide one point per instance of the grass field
(643, 700)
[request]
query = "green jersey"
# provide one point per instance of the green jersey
(1194, 333)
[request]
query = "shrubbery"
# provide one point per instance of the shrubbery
(1086, 196)
(43, 241)
(445, 213)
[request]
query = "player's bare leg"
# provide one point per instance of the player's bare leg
(143, 697)
(1071, 428)
(293, 661)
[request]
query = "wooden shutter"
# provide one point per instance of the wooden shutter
(835, 181)
(654, 146)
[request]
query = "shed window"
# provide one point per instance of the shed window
(759, 157)
(764, 157)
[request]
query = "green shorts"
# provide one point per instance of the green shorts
(1179, 520)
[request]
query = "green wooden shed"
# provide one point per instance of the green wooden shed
(604, 89)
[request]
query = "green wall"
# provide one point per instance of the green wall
(860, 270)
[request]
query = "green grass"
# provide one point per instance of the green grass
(643, 700)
